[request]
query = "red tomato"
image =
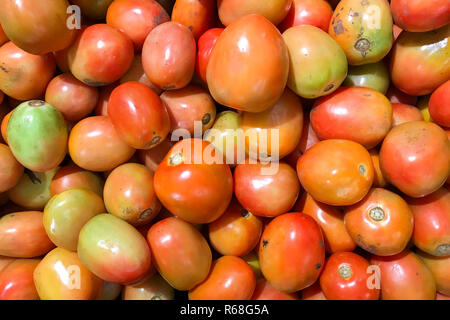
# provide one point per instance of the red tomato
(16, 280)
(345, 276)
(439, 105)
(180, 253)
(3, 37)
(313, 292)
(138, 115)
(315, 13)
(402, 113)
(292, 252)
(414, 169)
(210, 183)
(10, 169)
(265, 291)
(230, 278)
(205, 45)
(136, 18)
(197, 15)
(71, 176)
(168, 55)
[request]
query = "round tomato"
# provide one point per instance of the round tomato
(197, 15)
(315, 13)
(205, 45)
(439, 103)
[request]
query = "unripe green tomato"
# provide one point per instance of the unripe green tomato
(373, 75)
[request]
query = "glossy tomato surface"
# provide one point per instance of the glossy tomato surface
(71, 176)
(308, 12)
(205, 45)
(16, 280)
(197, 15)
(10, 169)
(438, 105)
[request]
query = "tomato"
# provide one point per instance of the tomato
(316, 13)
(265, 291)
(113, 250)
(197, 15)
(345, 277)
(136, 73)
(265, 190)
(168, 56)
(336, 172)
(331, 220)
(363, 29)
(5, 114)
(396, 31)
(22, 235)
(67, 212)
(420, 16)
(438, 105)
(71, 176)
(402, 113)
(55, 279)
(210, 183)
(180, 253)
(373, 75)
(10, 169)
(236, 232)
(100, 55)
(396, 96)
(155, 288)
(16, 280)
(249, 65)
(189, 104)
(367, 126)
(19, 21)
(129, 194)
(292, 252)
(24, 76)
(275, 131)
(426, 56)
(152, 158)
(3, 37)
(230, 278)
(103, 98)
(205, 45)
(381, 223)
(322, 69)
(5, 261)
(273, 10)
(404, 277)
(432, 222)
(313, 292)
(440, 268)
(37, 135)
(253, 261)
(95, 145)
(405, 162)
(379, 181)
(33, 189)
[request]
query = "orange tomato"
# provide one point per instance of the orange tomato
(402, 113)
(440, 268)
(16, 280)
(316, 13)
(379, 181)
(10, 169)
(197, 15)
(71, 176)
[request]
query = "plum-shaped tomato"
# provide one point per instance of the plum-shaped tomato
(205, 45)
(363, 28)
(197, 15)
(317, 64)
(440, 268)
(10, 169)
(37, 27)
(197, 164)
(414, 157)
(249, 65)
(16, 280)
(315, 13)
(439, 105)
(37, 135)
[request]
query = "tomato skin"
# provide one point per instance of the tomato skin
(100, 55)
(232, 73)
(345, 277)
(174, 70)
(155, 288)
(308, 12)
(49, 277)
(16, 280)
(265, 291)
(94, 145)
(103, 98)
(3, 37)
(113, 250)
(214, 179)
(363, 29)
(379, 181)
(340, 116)
(197, 15)
(336, 172)
(138, 115)
(406, 163)
(420, 16)
(273, 10)
(151, 158)
(180, 253)
(402, 113)
(373, 75)
(129, 194)
(136, 18)
(440, 296)
(22, 235)
(266, 195)
(404, 277)
(330, 219)
(438, 105)
(230, 278)
(205, 45)
(397, 96)
(236, 232)
(292, 252)
(71, 176)
(440, 268)
(93, 9)
(10, 169)
(67, 212)
(18, 67)
(425, 56)
(313, 292)
(5, 261)
(136, 73)
(432, 222)
(381, 223)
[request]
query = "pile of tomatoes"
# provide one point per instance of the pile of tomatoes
(100, 198)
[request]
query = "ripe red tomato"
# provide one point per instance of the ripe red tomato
(16, 280)
(315, 13)
(71, 176)
(265, 291)
(439, 103)
(292, 252)
(205, 45)
(402, 113)
(197, 15)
